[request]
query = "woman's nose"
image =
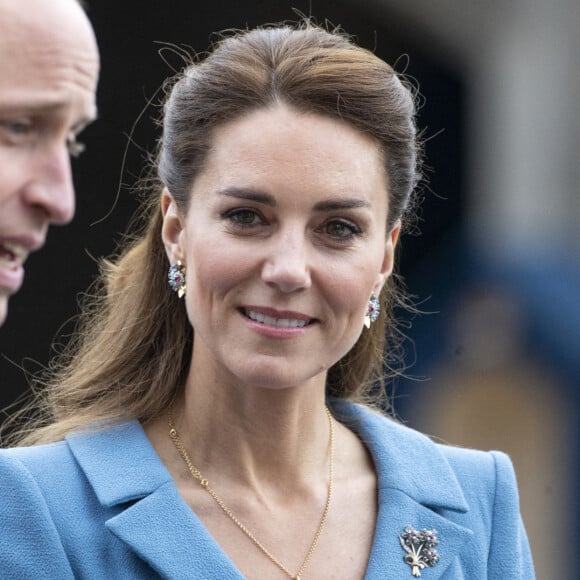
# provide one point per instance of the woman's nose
(286, 265)
(51, 188)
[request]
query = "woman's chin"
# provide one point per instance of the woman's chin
(279, 377)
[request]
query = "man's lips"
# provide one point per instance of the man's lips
(11, 270)
(13, 253)
(17, 248)
(277, 318)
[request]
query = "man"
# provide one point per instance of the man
(49, 67)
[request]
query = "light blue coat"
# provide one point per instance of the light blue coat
(102, 506)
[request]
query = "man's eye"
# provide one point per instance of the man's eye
(16, 128)
(20, 128)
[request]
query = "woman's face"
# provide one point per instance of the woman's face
(284, 242)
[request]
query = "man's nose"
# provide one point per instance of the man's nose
(51, 189)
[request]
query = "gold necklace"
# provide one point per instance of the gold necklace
(196, 473)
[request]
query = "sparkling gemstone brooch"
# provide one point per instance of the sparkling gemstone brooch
(419, 549)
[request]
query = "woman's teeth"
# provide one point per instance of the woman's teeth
(271, 321)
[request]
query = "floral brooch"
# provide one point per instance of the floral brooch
(419, 549)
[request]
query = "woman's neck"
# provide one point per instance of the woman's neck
(257, 436)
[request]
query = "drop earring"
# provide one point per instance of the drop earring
(373, 309)
(176, 278)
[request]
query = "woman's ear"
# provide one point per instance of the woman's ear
(172, 231)
(388, 257)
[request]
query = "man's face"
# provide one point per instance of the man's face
(49, 67)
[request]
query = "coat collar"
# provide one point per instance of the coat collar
(405, 459)
(148, 514)
(416, 487)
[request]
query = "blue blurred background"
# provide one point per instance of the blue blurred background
(498, 360)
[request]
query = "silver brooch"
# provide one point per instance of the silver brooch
(419, 549)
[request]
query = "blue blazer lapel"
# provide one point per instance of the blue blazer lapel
(163, 545)
(147, 512)
(396, 511)
(416, 488)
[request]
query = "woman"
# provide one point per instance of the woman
(212, 432)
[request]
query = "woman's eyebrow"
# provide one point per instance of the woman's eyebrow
(342, 203)
(269, 200)
(249, 194)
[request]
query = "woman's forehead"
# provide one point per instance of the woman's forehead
(281, 144)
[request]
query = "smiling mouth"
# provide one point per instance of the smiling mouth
(11, 256)
(277, 322)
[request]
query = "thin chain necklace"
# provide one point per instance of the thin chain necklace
(196, 473)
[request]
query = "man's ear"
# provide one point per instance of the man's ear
(388, 257)
(172, 231)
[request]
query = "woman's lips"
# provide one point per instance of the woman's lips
(277, 318)
(280, 322)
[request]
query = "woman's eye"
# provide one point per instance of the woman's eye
(244, 217)
(341, 230)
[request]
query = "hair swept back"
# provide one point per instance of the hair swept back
(131, 350)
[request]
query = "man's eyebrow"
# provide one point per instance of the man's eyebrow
(249, 195)
(44, 108)
(32, 106)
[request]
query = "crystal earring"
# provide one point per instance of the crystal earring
(373, 309)
(176, 278)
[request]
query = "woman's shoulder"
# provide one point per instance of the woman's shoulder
(25, 465)
(89, 449)
(33, 453)
(68, 493)
(479, 467)
(375, 427)
(90, 470)
(461, 489)
(408, 459)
